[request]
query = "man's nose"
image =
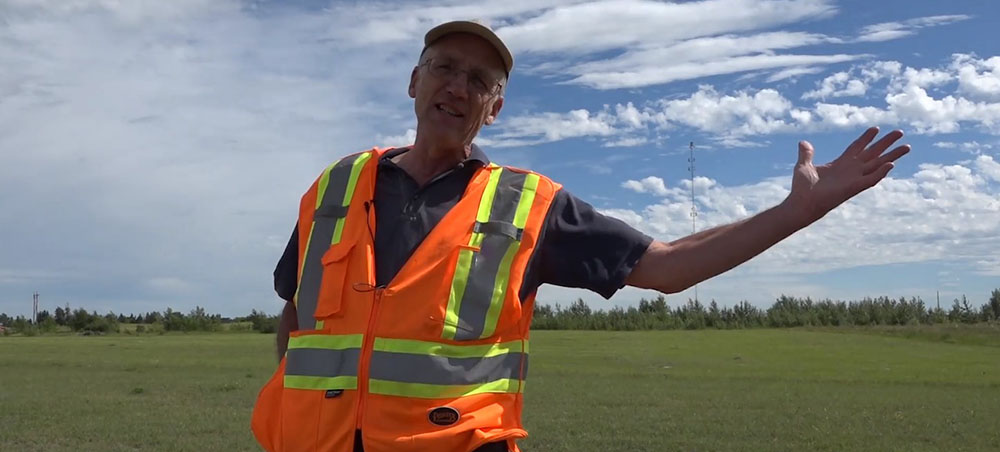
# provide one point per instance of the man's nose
(458, 84)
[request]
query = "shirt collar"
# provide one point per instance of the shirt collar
(478, 155)
(475, 155)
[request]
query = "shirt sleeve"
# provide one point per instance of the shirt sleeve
(286, 274)
(582, 248)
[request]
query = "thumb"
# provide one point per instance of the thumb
(805, 153)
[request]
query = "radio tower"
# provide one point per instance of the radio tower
(694, 209)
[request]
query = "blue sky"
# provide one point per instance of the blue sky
(152, 153)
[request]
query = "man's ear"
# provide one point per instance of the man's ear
(412, 90)
(494, 111)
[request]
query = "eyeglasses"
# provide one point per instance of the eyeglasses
(478, 83)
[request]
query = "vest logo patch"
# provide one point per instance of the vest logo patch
(333, 393)
(444, 415)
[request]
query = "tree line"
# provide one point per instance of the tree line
(652, 314)
(786, 312)
(83, 321)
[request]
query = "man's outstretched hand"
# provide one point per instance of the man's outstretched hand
(816, 190)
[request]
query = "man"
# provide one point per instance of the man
(410, 277)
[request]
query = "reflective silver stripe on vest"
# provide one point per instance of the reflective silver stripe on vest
(498, 234)
(324, 224)
(317, 362)
(441, 370)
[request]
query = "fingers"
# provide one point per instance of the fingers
(805, 153)
(859, 144)
(892, 156)
(881, 145)
(869, 180)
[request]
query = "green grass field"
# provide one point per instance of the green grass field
(588, 391)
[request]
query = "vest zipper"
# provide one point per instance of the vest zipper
(366, 356)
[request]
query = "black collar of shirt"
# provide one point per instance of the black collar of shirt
(476, 155)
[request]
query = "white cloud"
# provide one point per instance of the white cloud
(730, 141)
(988, 167)
(703, 49)
(850, 116)
(405, 139)
(873, 33)
(917, 99)
(929, 115)
(908, 101)
(129, 13)
(837, 85)
(595, 26)
(549, 36)
(980, 85)
(626, 142)
(856, 80)
(666, 42)
(701, 184)
(880, 70)
(177, 138)
(537, 128)
(547, 127)
(661, 46)
(655, 75)
(651, 184)
(630, 115)
(894, 30)
(362, 24)
(920, 78)
(942, 213)
(973, 147)
(742, 113)
(793, 72)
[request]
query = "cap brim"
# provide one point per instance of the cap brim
(476, 28)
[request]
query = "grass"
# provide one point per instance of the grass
(131, 393)
(589, 391)
(987, 334)
(761, 390)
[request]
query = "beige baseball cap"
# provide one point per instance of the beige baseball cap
(474, 27)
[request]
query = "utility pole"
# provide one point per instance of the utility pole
(694, 209)
(34, 308)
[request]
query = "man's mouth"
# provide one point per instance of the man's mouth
(444, 108)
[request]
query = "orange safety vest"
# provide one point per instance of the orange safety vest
(435, 360)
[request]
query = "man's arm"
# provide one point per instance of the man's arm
(675, 266)
(288, 323)
(285, 284)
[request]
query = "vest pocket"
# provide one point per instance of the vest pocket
(320, 390)
(311, 421)
(335, 268)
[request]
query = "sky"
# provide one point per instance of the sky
(152, 153)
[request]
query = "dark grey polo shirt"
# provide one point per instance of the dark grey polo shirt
(578, 247)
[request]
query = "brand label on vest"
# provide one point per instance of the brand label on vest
(332, 393)
(444, 415)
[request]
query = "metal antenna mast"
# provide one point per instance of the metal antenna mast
(694, 208)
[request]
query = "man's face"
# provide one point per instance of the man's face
(455, 88)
